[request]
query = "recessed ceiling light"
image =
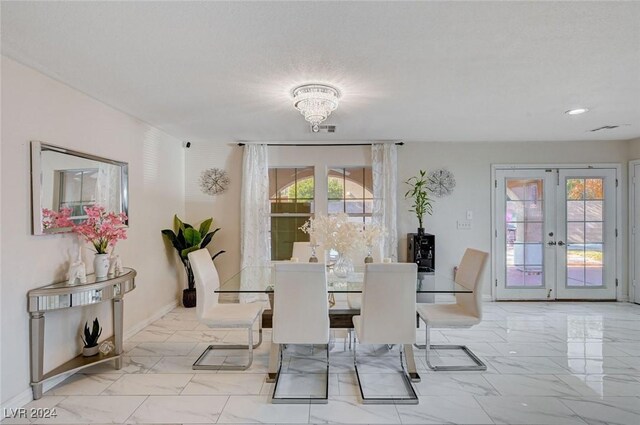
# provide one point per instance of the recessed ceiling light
(576, 111)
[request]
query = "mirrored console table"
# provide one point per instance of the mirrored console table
(62, 295)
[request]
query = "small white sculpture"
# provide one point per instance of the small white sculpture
(77, 270)
(115, 265)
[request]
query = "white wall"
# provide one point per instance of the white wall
(36, 107)
(471, 165)
(225, 208)
(470, 162)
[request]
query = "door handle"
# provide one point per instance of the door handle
(551, 243)
(560, 243)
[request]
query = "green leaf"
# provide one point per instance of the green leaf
(208, 237)
(206, 240)
(192, 237)
(169, 234)
(204, 227)
(181, 241)
(177, 223)
(185, 252)
(218, 253)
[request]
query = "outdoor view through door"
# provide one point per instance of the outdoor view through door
(585, 222)
(555, 233)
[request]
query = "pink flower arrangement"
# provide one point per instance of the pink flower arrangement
(102, 229)
(55, 220)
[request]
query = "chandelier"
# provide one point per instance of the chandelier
(315, 102)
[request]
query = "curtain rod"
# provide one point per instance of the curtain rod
(319, 144)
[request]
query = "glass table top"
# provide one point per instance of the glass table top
(261, 279)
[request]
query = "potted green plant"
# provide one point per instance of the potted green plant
(90, 338)
(185, 239)
(419, 193)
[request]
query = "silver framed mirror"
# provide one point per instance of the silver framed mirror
(64, 178)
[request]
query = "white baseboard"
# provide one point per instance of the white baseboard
(26, 396)
(155, 316)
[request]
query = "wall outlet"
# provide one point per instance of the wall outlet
(464, 225)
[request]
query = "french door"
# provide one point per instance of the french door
(555, 234)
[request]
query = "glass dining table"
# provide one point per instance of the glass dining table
(256, 283)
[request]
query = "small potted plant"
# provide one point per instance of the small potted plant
(90, 338)
(419, 193)
(185, 239)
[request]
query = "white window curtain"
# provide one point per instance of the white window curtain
(108, 187)
(384, 158)
(254, 207)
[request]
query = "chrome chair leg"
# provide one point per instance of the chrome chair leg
(411, 398)
(198, 365)
(479, 365)
(300, 400)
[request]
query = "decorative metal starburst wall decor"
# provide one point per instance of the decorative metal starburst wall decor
(441, 182)
(214, 181)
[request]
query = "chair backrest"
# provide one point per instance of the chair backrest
(206, 278)
(388, 312)
(301, 310)
(468, 275)
(302, 251)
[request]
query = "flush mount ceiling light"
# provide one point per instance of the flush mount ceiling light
(315, 102)
(576, 111)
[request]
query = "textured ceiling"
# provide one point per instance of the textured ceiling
(423, 71)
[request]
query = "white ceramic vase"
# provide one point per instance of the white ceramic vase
(101, 265)
(90, 351)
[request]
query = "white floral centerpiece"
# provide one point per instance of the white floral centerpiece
(336, 232)
(346, 237)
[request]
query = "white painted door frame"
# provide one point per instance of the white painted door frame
(494, 247)
(634, 231)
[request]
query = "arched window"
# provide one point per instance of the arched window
(291, 191)
(350, 190)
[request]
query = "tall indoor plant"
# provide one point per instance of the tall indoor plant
(185, 239)
(419, 193)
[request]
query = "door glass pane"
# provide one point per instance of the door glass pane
(515, 211)
(575, 210)
(524, 229)
(585, 240)
(593, 210)
(575, 232)
(593, 233)
(533, 210)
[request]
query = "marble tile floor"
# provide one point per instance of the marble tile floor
(548, 363)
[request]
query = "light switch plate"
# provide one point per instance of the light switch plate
(464, 225)
(469, 215)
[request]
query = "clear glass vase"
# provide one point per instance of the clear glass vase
(343, 266)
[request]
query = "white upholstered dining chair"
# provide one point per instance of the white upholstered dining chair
(355, 300)
(222, 316)
(465, 313)
(300, 315)
(388, 317)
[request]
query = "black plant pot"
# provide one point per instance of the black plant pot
(189, 298)
(421, 231)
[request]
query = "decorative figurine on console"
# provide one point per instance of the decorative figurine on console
(77, 270)
(115, 265)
